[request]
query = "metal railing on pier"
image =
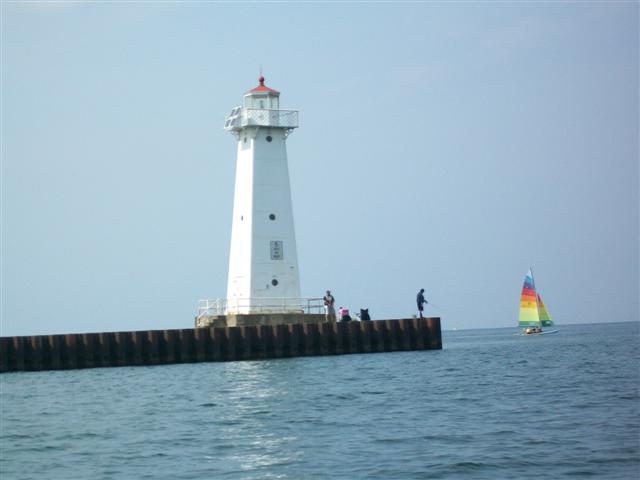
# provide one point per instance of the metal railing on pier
(221, 306)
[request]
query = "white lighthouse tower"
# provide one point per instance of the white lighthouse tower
(263, 262)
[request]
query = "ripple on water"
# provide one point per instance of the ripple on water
(472, 411)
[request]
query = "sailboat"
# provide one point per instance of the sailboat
(533, 313)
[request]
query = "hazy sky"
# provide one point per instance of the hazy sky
(448, 146)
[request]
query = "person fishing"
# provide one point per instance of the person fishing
(329, 309)
(420, 300)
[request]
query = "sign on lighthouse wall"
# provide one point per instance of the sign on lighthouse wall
(263, 263)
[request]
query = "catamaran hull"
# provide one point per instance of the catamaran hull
(522, 334)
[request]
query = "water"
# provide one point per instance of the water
(490, 405)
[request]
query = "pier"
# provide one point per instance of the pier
(216, 344)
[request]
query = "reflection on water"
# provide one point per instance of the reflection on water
(247, 404)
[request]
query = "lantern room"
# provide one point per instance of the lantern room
(262, 97)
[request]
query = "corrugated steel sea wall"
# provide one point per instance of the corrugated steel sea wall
(157, 347)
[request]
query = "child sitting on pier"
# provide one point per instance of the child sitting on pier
(344, 314)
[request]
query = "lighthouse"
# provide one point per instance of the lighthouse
(263, 262)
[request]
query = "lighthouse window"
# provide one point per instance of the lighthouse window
(272, 216)
(274, 282)
(245, 139)
(269, 138)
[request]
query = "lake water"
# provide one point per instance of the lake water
(490, 405)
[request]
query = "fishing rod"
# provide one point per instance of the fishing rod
(429, 303)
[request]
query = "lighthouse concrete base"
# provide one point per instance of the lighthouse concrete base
(255, 319)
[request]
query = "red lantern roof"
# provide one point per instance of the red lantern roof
(262, 89)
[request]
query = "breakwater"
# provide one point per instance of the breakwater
(157, 347)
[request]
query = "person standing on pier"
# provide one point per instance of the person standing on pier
(420, 300)
(329, 309)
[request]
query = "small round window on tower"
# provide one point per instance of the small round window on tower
(272, 216)
(269, 138)
(274, 282)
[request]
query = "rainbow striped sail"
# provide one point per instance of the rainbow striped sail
(529, 311)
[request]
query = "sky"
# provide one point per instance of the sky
(445, 146)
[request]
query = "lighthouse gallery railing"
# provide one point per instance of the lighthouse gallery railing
(260, 117)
